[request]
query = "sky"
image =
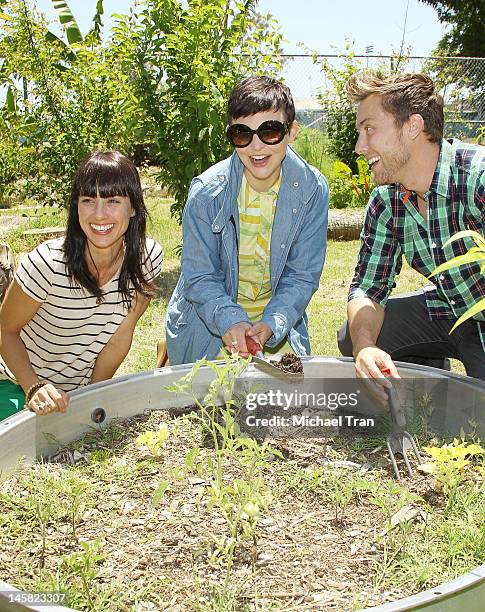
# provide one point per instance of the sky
(321, 25)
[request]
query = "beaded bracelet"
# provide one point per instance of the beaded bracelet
(32, 389)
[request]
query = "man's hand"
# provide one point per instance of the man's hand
(260, 332)
(375, 365)
(234, 339)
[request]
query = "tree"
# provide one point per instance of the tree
(185, 57)
(80, 98)
(467, 20)
(465, 79)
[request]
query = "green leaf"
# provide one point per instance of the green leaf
(5, 16)
(475, 309)
(479, 240)
(342, 170)
(51, 37)
(458, 261)
(160, 492)
(190, 458)
(68, 22)
(10, 100)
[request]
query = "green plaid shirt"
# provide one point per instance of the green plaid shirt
(394, 227)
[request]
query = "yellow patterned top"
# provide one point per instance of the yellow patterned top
(256, 215)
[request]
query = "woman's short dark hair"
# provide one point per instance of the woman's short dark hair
(107, 174)
(257, 94)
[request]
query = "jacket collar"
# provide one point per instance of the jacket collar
(297, 186)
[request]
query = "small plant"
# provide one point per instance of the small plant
(448, 467)
(83, 564)
(338, 487)
(74, 489)
(390, 497)
(43, 501)
(243, 500)
(154, 440)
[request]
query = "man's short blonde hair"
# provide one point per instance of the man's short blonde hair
(402, 95)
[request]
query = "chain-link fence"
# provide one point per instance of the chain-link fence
(461, 81)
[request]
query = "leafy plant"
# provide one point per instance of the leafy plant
(154, 440)
(77, 97)
(83, 564)
(338, 486)
(74, 490)
(474, 255)
(390, 497)
(360, 183)
(340, 114)
(350, 190)
(243, 500)
(448, 467)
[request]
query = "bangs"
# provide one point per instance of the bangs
(254, 105)
(107, 179)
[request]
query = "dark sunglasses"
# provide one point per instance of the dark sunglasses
(269, 132)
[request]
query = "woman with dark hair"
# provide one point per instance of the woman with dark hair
(69, 316)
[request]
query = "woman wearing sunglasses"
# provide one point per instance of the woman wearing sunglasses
(254, 237)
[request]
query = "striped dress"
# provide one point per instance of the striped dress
(69, 330)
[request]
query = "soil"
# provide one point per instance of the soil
(289, 362)
(163, 556)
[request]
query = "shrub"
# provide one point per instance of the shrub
(350, 190)
(80, 99)
(312, 144)
(340, 113)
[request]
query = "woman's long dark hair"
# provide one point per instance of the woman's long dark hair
(108, 174)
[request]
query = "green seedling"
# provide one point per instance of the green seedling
(154, 441)
(74, 490)
(449, 464)
(83, 564)
(242, 501)
(338, 487)
(390, 497)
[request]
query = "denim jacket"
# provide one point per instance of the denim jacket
(204, 303)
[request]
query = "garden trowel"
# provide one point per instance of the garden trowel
(265, 366)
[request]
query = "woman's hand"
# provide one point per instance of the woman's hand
(48, 399)
(260, 332)
(234, 339)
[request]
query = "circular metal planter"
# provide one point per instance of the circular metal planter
(23, 438)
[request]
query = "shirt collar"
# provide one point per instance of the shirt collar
(442, 173)
(254, 195)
